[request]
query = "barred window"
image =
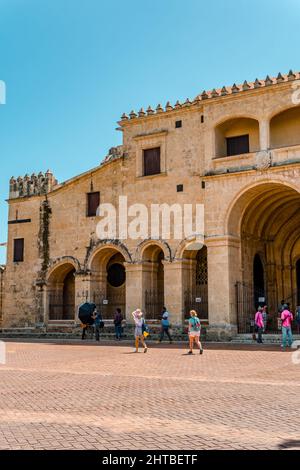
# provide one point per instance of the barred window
(201, 269)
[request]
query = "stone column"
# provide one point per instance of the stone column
(224, 270)
(264, 134)
(134, 289)
(173, 290)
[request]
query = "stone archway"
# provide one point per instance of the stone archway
(61, 293)
(108, 280)
(236, 136)
(284, 128)
(195, 282)
(153, 258)
(264, 218)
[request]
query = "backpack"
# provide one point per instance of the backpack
(197, 324)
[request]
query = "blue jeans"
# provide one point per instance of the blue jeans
(118, 330)
(260, 332)
(287, 334)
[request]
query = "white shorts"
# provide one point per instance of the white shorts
(194, 334)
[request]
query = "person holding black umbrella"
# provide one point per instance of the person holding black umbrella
(85, 315)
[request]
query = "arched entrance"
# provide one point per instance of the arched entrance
(153, 280)
(61, 293)
(195, 279)
(266, 218)
(108, 281)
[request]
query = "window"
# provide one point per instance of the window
(152, 161)
(116, 275)
(237, 145)
(18, 250)
(93, 204)
(178, 124)
(180, 188)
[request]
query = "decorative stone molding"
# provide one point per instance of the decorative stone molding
(263, 160)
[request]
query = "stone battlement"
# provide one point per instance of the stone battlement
(34, 185)
(209, 95)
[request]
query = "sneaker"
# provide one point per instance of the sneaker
(190, 353)
(201, 352)
(145, 350)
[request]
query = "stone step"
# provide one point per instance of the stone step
(267, 339)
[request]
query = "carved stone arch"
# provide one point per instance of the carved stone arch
(63, 260)
(233, 116)
(188, 243)
(107, 244)
(281, 109)
(245, 197)
(138, 256)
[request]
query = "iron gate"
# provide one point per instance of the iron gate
(60, 310)
(107, 304)
(196, 300)
(248, 300)
(154, 303)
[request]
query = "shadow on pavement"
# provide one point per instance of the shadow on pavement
(290, 444)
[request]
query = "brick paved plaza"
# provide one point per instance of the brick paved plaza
(85, 396)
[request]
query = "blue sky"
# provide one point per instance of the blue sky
(72, 67)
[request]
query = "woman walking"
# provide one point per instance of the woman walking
(259, 324)
(194, 331)
(287, 320)
(139, 321)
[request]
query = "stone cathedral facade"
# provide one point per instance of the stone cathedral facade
(235, 150)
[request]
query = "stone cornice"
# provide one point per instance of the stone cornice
(157, 134)
(250, 171)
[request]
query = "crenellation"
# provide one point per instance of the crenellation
(34, 185)
(215, 93)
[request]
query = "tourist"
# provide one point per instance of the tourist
(165, 325)
(165, 313)
(139, 321)
(259, 324)
(287, 319)
(194, 332)
(98, 324)
(118, 324)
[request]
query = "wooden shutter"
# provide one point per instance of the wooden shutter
(237, 145)
(93, 204)
(18, 250)
(152, 161)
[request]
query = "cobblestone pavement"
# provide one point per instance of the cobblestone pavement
(87, 396)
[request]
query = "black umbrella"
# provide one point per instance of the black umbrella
(85, 313)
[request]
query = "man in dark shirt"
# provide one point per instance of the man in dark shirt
(118, 324)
